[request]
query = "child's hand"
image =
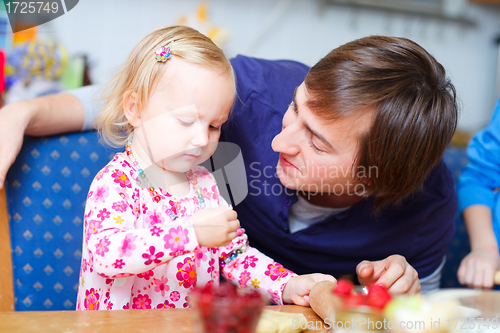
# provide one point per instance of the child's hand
(478, 268)
(297, 288)
(215, 227)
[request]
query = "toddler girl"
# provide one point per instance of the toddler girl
(155, 224)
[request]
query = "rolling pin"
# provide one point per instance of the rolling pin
(496, 278)
(322, 300)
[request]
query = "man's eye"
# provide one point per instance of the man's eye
(214, 128)
(313, 146)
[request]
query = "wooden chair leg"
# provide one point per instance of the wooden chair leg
(6, 278)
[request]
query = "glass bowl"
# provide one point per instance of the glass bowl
(226, 308)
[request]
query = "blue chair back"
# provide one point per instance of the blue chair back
(46, 192)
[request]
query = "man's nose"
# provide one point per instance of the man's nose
(286, 141)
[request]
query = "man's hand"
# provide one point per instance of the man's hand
(297, 289)
(394, 273)
(14, 119)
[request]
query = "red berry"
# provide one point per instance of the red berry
(343, 288)
(355, 300)
(378, 296)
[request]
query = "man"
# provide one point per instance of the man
(359, 174)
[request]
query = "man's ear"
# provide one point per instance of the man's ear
(130, 108)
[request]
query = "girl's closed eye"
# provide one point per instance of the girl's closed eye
(214, 128)
(185, 122)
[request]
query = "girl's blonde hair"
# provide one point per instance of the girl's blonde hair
(141, 72)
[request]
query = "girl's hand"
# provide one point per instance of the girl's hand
(298, 288)
(215, 227)
(478, 268)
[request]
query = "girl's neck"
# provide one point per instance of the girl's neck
(175, 183)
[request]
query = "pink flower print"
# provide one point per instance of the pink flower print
(200, 255)
(176, 239)
(146, 275)
(110, 306)
(118, 264)
(123, 193)
(127, 245)
(120, 206)
(165, 193)
(215, 192)
(175, 296)
(91, 301)
(122, 179)
(84, 265)
(165, 305)
(92, 227)
(211, 265)
(244, 278)
(101, 173)
(152, 257)
(101, 193)
(126, 164)
(186, 305)
(155, 218)
(90, 194)
(276, 271)
(155, 231)
(275, 296)
(161, 286)
(174, 206)
(141, 302)
(249, 262)
(178, 253)
(103, 214)
(126, 306)
(144, 209)
(102, 246)
(186, 273)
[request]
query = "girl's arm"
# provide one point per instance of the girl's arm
(250, 267)
(479, 266)
(117, 248)
(476, 195)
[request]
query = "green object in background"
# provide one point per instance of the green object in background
(72, 75)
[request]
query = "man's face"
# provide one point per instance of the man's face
(317, 155)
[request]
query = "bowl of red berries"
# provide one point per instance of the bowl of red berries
(359, 309)
(226, 308)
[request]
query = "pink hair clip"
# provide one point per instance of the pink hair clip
(163, 54)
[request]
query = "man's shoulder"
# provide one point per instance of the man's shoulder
(268, 79)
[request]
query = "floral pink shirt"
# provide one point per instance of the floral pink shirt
(135, 257)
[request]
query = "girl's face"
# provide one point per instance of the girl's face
(180, 125)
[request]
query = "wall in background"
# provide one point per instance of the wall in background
(302, 30)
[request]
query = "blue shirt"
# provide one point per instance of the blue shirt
(420, 228)
(481, 176)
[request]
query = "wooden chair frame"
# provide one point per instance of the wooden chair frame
(6, 277)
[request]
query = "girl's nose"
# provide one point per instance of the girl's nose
(200, 139)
